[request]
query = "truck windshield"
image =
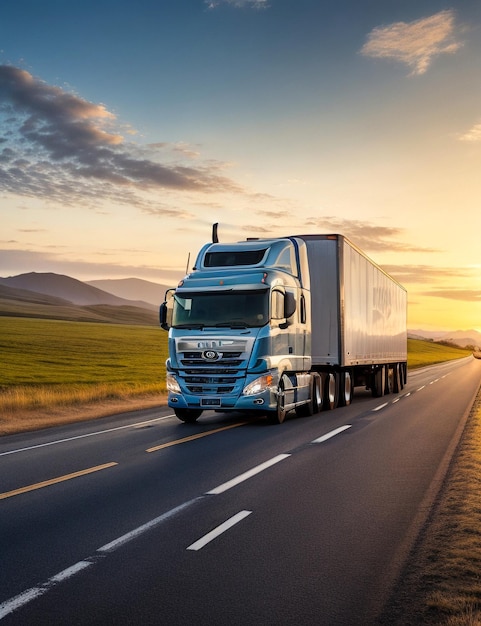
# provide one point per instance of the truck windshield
(233, 309)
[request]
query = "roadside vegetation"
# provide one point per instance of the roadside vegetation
(421, 353)
(441, 584)
(52, 365)
(56, 371)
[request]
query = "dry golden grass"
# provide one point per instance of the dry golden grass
(55, 372)
(442, 583)
(56, 414)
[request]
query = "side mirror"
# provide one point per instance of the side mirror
(289, 304)
(163, 316)
(166, 310)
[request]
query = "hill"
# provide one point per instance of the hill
(67, 288)
(134, 289)
(95, 306)
(461, 338)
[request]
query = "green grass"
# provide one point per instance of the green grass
(48, 361)
(422, 353)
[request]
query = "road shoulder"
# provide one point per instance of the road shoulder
(36, 419)
(441, 582)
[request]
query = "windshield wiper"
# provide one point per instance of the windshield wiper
(231, 325)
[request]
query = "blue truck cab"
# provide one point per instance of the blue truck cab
(240, 333)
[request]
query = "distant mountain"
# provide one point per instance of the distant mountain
(460, 338)
(23, 295)
(134, 289)
(425, 334)
(67, 288)
(25, 303)
(463, 338)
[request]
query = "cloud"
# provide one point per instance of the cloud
(474, 134)
(17, 261)
(414, 43)
(467, 295)
(56, 145)
(368, 237)
(238, 4)
(426, 273)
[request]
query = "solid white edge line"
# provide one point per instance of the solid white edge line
(35, 592)
(332, 433)
(246, 475)
(9, 606)
(232, 521)
(70, 571)
(97, 432)
(120, 541)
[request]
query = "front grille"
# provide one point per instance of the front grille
(198, 355)
(223, 362)
(198, 389)
(208, 378)
(228, 359)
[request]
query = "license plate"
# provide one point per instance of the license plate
(210, 402)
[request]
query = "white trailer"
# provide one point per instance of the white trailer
(358, 318)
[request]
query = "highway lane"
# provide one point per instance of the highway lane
(314, 537)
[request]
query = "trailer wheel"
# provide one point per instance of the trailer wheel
(397, 378)
(378, 386)
(279, 414)
(188, 415)
(318, 392)
(345, 395)
(331, 391)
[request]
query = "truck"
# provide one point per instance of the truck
(287, 324)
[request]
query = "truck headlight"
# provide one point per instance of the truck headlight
(259, 385)
(172, 384)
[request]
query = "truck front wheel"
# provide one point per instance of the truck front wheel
(188, 415)
(279, 414)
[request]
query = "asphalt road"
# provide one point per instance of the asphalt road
(141, 519)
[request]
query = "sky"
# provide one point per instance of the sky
(128, 128)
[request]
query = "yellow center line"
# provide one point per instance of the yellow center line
(53, 481)
(192, 437)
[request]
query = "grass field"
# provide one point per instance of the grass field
(49, 362)
(422, 353)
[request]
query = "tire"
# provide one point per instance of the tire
(331, 392)
(188, 415)
(389, 380)
(397, 378)
(378, 386)
(279, 414)
(306, 410)
(345, 392)
(318, 392)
